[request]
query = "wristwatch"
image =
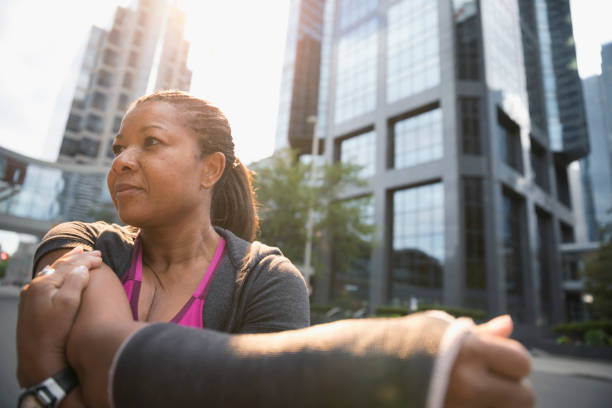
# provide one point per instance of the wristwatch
(50, 392)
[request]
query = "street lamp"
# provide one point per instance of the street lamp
(312, 119)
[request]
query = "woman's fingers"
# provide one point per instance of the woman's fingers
(68, 296)
(498, 326)
(501, 392)
(505, 357)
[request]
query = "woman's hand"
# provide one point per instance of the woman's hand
(490, 370)
(47, 309)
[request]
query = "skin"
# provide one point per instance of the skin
(487, 372)
(153, 150)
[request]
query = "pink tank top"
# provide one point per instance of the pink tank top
(191, 313)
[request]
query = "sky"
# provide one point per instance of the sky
(236, 57)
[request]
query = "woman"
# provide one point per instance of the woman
(188, 254)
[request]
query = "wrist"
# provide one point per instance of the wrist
(40, 370)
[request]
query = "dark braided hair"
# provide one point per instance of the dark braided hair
(233, 202)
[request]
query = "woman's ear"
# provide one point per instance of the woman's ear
(214, 164)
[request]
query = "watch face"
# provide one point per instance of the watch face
(29, 401)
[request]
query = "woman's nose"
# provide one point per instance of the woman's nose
(126, 160)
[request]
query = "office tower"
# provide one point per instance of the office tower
(597, 166)
(465, 135)
(117, 67)
(143, 44)
(300, 77)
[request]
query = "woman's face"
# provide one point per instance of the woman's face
(156, 174)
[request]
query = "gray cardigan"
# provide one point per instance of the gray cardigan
(255, 289)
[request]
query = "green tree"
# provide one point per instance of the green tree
(285, 194)
(598, 271)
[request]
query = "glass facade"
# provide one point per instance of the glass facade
(360, 150)
(545, 251)
(470, 125)
(413, 56)
(324, 77)
(467, 39)
(356, 72)
(502, 50)
(539, 165)
(475, 271)
(513, 244)
(418, 239)
(350, 280)
(351, 11)
(418, 139)
(510, 150)
(46, 191)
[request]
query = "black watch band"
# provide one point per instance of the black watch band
(50, 392)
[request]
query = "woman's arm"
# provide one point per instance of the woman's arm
(371, 362)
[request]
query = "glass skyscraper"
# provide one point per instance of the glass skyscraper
(464, 115)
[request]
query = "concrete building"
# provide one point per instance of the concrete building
(464, 115)
(142, 45)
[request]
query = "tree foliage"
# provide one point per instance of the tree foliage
(285, 194)
(598, 280)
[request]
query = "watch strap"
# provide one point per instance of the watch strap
(52, 391)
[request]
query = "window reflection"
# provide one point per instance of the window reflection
(360, 150)
(418, 238)
(417, 139)
(413, 61)
(356, 72)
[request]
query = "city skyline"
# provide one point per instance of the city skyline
(247, 92)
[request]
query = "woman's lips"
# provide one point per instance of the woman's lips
(125, 189)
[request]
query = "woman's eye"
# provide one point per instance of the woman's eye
(150, 141)
(117, 149)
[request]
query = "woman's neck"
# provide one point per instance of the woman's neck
(171, 248)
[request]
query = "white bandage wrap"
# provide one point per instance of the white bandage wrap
(451, 343)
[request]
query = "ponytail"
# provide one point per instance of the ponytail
(233, 202)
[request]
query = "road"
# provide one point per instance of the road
(552, 390)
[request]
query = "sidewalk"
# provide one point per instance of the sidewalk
(555, 364)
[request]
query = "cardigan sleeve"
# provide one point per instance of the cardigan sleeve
(353, 363)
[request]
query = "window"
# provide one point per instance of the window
(475, 271)
(418, 239)
(114, 37)
(563, 191)
(467, 37)
(128, 78)
(413, 60)
(74, 122)
(351, 279)
(143, 18)
(567, 233)
(117, 124)
(539, 165)
(510, 149)
(137, 40)
(356, 72)
(133, 59)
(470, 125)
(88, 147)
(69, 146)
(546, 252)
(417, 139)
(105, 79)
(514, 241)
(109, 150)
(98, 100)
(352, 11)
(94, 123)
(120, 15)
(123, 102)
(110, 57)
(360, 150)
